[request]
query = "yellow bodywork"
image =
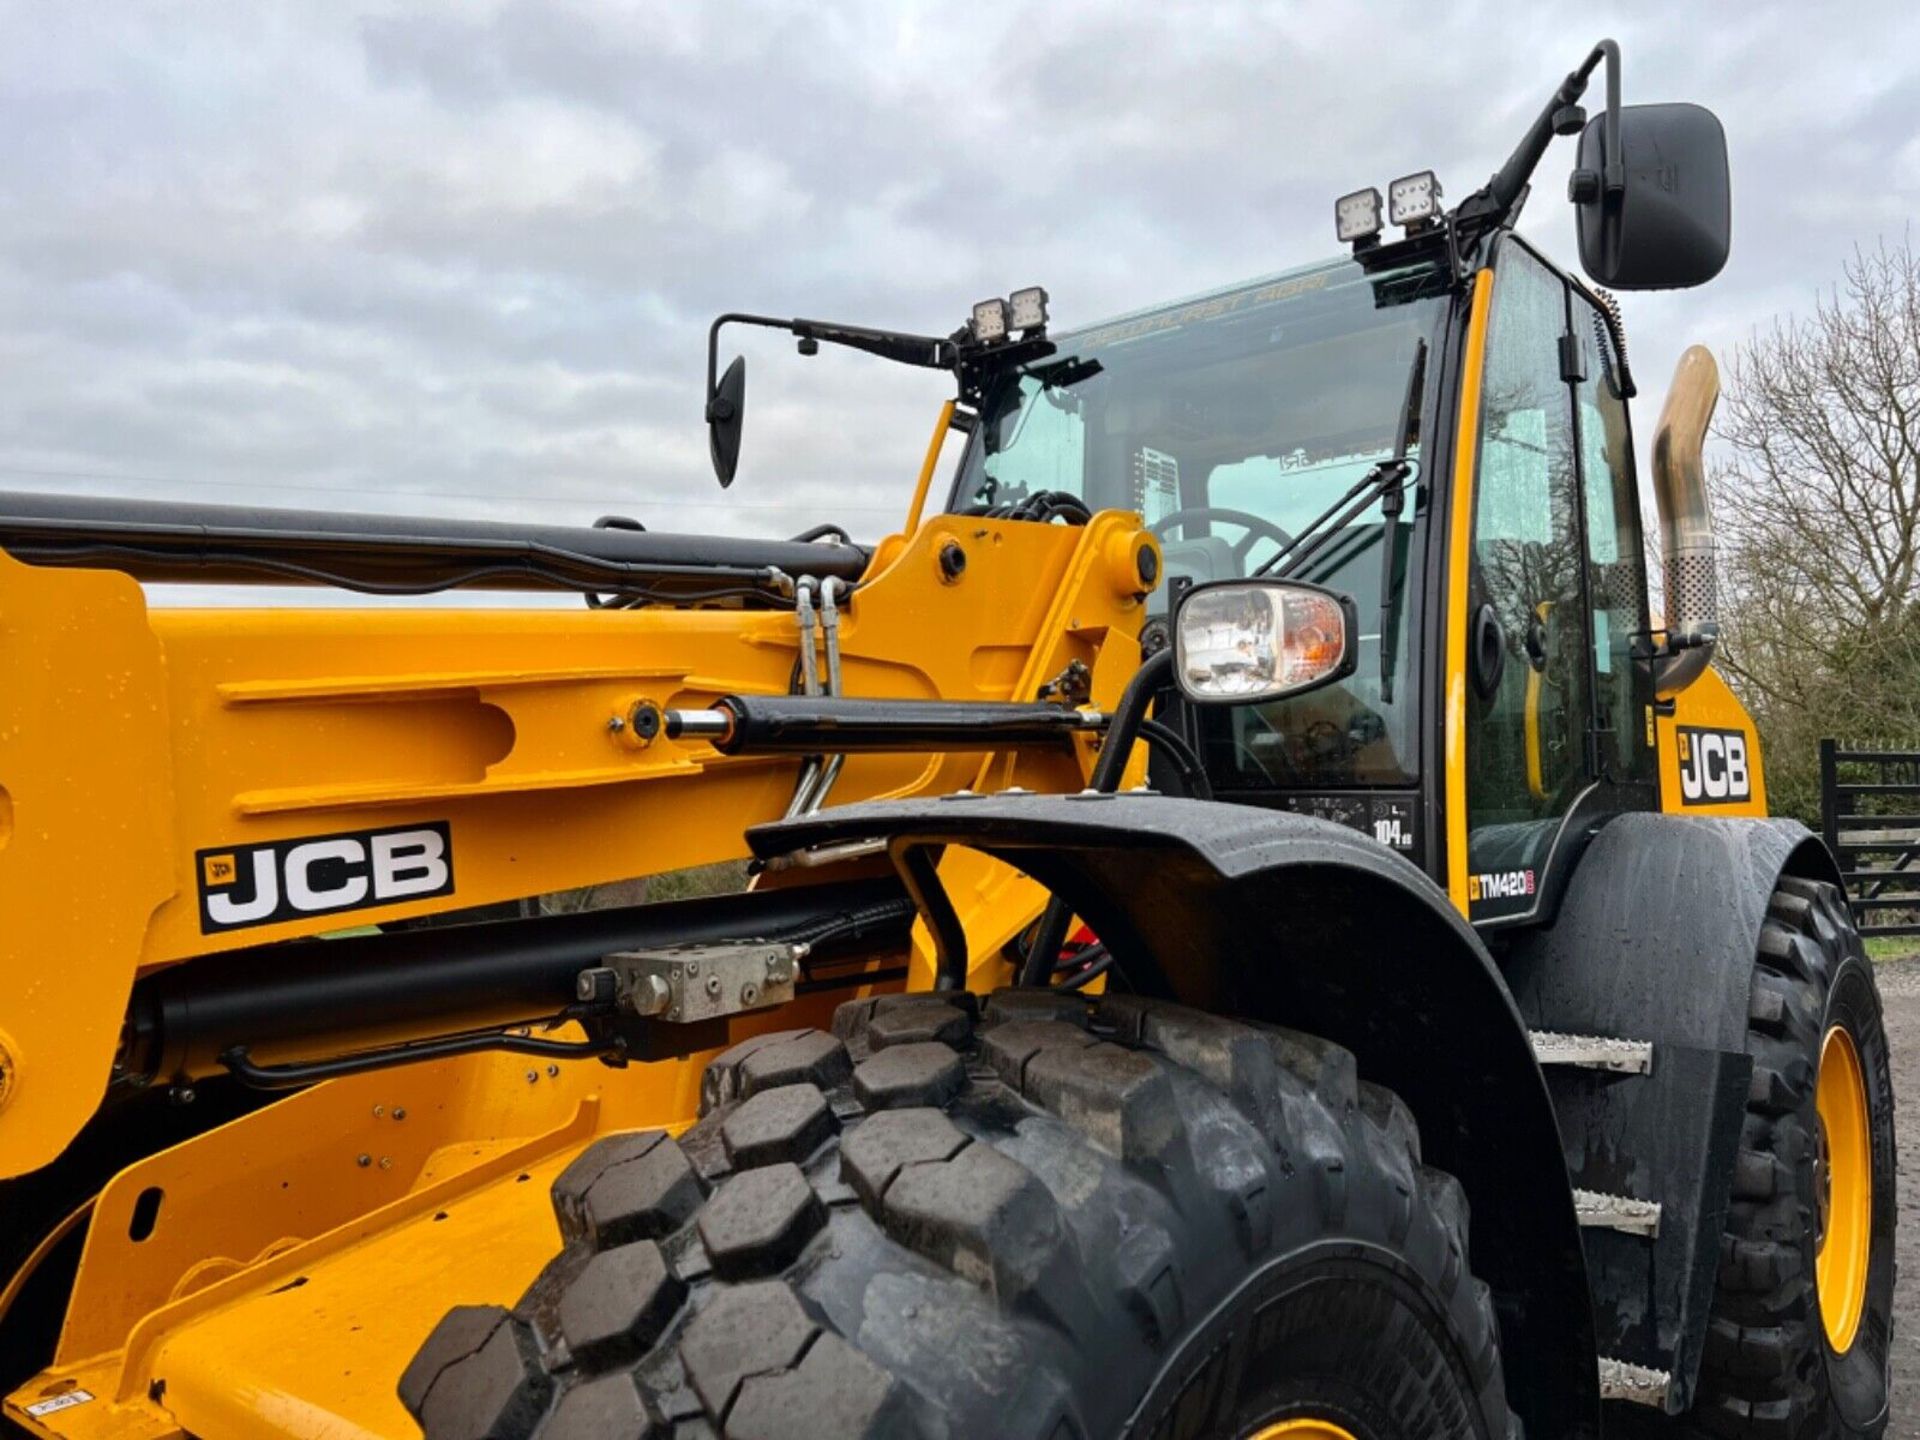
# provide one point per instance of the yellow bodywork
(1459, 571)
(300, 1254)
(1707, 705)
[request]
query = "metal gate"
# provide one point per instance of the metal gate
(1870, 815)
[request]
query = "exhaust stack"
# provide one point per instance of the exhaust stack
(1686, 522)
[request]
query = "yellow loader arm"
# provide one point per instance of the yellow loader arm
(159, 767)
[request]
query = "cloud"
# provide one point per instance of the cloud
(461, 258)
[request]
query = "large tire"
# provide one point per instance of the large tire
(1061, 1221)
(1771, 1370)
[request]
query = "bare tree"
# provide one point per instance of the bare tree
(1820, 517)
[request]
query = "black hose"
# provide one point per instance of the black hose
(1124, 728)
(1041, 505)
(1122, 731)
(166, 541)
(1053, 504)
(1173, 745)
(1102, 962)
(134, 556)
(851, 924)
(1085, 955)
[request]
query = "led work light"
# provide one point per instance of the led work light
(1357, 216)
(1028, 307)
(990, 320)
(1414, 199)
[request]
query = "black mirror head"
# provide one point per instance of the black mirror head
(1669, 225)
(726, 413)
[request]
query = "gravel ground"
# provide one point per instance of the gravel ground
(1900, 991)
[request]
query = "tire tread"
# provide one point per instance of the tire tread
(1039, 1175)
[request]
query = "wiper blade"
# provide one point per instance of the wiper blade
(1335, 518)
(1386, 475)
(1392, 500)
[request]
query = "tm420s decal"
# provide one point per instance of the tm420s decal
(316, 875)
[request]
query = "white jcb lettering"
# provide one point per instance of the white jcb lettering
(225, 910)
(1713, 765)
(273, 882)
(413, 862)
(1716, 767)
(303, 894)
(1737, 782)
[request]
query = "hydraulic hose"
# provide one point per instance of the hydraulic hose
(1128, 717)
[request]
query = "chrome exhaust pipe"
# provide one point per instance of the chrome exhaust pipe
(1686, 522)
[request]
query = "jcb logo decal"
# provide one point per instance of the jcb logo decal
(1713, 767)
(263, 884)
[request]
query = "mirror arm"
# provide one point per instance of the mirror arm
(713, 346)
(1616, 170)
(1498, 201)
(931, 352)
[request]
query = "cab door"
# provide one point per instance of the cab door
(1555, 597)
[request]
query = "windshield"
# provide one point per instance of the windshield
(1230, 423)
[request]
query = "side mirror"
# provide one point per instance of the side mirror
(726, 413)
(1658, 215)
(1239, 642)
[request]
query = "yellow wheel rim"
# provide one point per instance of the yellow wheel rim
(1843, 1188)
(1305, 1430)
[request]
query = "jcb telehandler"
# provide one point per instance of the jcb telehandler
(1251, 929)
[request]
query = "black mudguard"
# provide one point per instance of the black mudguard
(1300, 921)
(1655, 940)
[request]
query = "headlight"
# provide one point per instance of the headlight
(1241, 641)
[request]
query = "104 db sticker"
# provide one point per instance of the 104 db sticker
(1714, 768)
(248, 885)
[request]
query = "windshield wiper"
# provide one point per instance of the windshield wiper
(1386, 475)
(1392, 499)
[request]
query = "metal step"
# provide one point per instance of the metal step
(1617, 1212)
(1594, 1052)
(1620, 1380)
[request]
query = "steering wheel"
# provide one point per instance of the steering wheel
(1257, 528)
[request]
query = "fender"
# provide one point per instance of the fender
(1650, 891)
(1283, 917)
(1655, 940)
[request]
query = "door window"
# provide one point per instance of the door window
(1526, 740)
(1616, 557)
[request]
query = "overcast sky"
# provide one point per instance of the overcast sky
(460, 258)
